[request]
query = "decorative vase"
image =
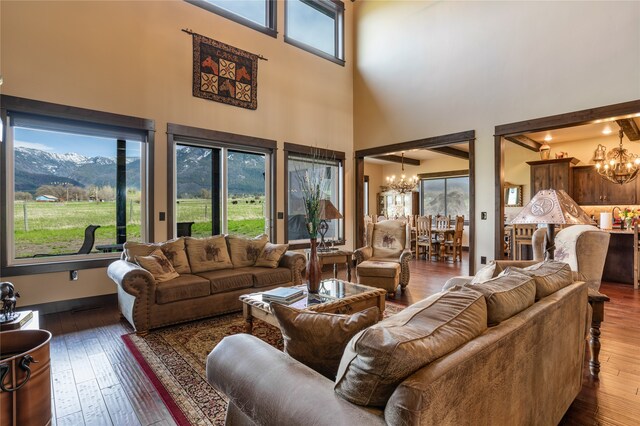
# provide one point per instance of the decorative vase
(627, 223)
(314, 272)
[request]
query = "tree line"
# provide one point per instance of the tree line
(67, 192)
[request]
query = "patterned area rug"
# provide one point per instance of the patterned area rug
(174, 360)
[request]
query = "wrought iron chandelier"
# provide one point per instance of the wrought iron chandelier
(405, 184)
(618, 165)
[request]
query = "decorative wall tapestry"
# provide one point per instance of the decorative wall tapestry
(223, 73)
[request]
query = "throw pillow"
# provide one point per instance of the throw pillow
(245, 251)
(506, 295)
(318, 339)
(208, 254)
(172, 249)
(379, 358)
(271, 255)
(484, 274)
(550, 276)
(158, 265)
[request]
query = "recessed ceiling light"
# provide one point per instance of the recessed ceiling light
(547, 138)
(607, 130)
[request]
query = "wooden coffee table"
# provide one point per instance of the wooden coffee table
(335, 296)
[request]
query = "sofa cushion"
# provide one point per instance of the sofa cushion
(380, 357)
(318, 339)
(506, 295)
(265, 277)
(181, 288)
(228, 279)
(550, 276)
(172, 249)
(271, 255)
(245, 251)
(208, 254)
(374, 268)
(158, 265)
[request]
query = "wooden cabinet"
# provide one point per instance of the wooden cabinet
(392, 204)
(552, 174)
(591, 189)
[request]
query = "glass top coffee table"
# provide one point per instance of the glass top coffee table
(334, 296)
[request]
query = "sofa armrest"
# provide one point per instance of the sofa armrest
(136, 292)
(363, 254)
(296, 262)
(271, 388)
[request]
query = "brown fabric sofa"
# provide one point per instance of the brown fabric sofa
(525, 370)
(148, 304)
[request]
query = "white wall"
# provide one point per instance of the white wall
(132, 58)
(427, 68)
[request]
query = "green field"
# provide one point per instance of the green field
(58, 228)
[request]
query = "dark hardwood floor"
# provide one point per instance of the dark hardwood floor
(97, 381)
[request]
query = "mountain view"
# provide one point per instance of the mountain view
(34, 168)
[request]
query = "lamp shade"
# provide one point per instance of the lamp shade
(554, 207)
(328, 211)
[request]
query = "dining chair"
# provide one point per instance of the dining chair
(423, 236)
(442, 222)
(453, 246)
(522, 236)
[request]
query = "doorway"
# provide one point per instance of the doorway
(460, 145)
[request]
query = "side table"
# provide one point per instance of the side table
(596, 300)
(335, 257)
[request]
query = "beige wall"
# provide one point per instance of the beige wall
(427, 68)
(376, 179)
(131, 58)
(518, 172)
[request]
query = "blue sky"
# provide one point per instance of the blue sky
(64, 143)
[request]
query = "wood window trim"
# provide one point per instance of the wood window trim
(310, 151)
(558, 121)
(233, 141)
(9, 104)
(272, 13)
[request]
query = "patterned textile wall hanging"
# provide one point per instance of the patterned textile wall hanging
(223, 73)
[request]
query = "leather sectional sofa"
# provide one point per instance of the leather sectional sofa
(527, 369)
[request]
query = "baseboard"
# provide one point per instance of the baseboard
(82, 304)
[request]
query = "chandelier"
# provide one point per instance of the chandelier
(618, 165)
(405, 184)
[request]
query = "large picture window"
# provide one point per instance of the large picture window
(446, 196)
(331, 171)
(221, 183)
(316, 26)
(74, 189)
(257, 14)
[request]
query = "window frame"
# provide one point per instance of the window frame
(444, 177)
(331, 6)
(78, 116)
(303, 150)
(178, 134)
(269, 29)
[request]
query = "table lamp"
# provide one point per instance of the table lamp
(552, 207)
(327, 212)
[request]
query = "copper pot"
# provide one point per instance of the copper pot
(25, 378)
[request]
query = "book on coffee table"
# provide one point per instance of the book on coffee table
(283, 295)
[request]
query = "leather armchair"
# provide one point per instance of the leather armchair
(388, 241)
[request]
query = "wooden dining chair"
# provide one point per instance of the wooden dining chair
(453, 246)
(522, 237)
(441, 222)
(423, 236)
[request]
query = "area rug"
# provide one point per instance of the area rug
(174, 360)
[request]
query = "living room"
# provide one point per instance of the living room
(400, 71)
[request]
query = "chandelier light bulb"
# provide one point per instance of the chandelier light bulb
(598, 165)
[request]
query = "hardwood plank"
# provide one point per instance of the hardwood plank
(74, 419)
(94, 409)
(105, 376)
(120, 409)
(65, 393)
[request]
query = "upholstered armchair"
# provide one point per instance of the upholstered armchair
(384, 261)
